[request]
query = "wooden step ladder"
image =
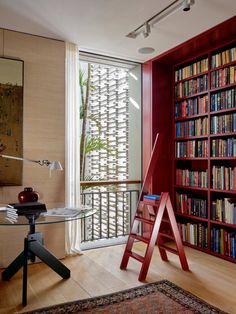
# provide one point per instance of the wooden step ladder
(160, 218)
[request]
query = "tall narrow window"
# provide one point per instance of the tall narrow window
(112, 145)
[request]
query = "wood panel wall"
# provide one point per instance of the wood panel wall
(43, 131)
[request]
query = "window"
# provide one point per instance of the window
(112, 143)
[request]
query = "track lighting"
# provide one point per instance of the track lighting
(145, 28)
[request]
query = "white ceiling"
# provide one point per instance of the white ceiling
(100, 26)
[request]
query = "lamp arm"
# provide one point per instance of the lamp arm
(52, 165)
(40, 162)
(12, 157)
(44, 162)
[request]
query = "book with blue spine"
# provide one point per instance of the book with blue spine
(152, 197)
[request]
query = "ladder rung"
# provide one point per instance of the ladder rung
(169, 236)
(150, 214)
(140, 238)
(147, 221)
(136, 256)
(165, 220)
(167, 248)
(157, 203)
(151, 201)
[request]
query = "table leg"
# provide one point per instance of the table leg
(49, 259)
(13, 268)
(33, 247)
(25, 272)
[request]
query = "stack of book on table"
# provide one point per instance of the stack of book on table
(28, 208)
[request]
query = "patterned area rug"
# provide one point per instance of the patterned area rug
(162, 297)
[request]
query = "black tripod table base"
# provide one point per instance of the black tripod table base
(33, 248)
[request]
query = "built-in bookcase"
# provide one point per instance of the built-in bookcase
(205, 151)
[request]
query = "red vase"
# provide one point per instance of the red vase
(28, 195)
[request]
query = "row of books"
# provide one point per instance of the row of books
(194, 233)
(224, 178)
(192, 69)
(186, 177)
(223, 242)
(189, 205)
(195, 127)
(219, 59)
(223, 100)
(223, 147)
(191, 87)
(223, 57)
(223, 124)
(191, 149)
(224, 210)
(223, 77)
(191, 106)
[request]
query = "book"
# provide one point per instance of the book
(152, 197)
(66, 212)
(28, 208)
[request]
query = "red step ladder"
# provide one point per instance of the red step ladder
(157, 220)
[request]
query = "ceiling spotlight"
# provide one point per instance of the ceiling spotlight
(147, 30)
(187, 5)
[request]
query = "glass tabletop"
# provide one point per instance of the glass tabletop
(55, 215)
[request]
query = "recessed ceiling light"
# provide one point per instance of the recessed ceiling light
(146, 50)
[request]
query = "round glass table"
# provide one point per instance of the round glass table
(33, 242)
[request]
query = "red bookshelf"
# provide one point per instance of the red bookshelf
(190, 96)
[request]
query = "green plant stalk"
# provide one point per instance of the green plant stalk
(85, 103)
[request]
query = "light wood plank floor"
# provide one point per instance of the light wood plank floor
(97, 272)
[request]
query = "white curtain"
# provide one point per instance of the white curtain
(72, 135)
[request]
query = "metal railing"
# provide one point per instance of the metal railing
(114, 207)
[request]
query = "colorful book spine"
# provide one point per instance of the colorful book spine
(224, 57)
(195, 127)
(225, 99)
(191, 87)
(223, 242)
(189, 205)
(191, 149)
(223, 77)
(223, 147)
(224, 178)
(192, 69)
(223, 124)
(194, 234)
(186, 177)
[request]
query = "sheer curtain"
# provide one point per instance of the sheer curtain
(72, 135)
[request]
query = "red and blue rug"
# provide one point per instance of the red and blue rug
(161, 297)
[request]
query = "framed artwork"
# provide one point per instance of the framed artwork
(11, 120)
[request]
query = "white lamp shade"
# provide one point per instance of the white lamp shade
(55, 165)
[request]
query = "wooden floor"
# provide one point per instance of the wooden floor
(97, 272)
